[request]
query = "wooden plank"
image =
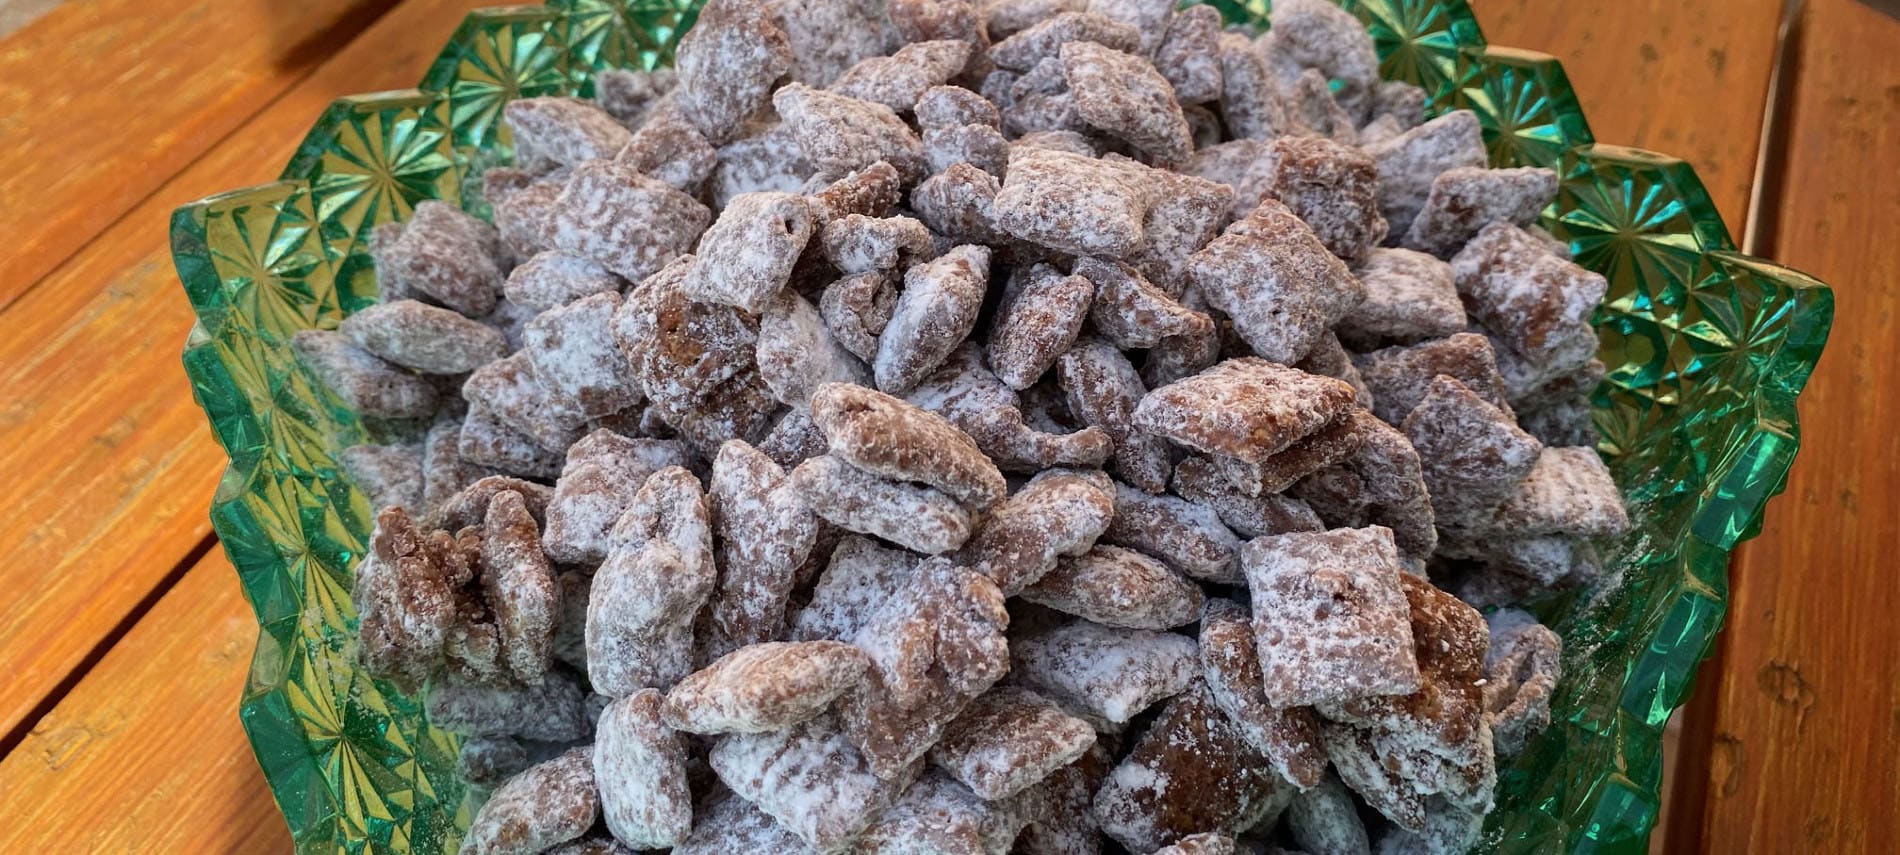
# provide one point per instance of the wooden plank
(107, 461)
(1682, 78)
(1809, 718)
(106, 99)
(146, 754)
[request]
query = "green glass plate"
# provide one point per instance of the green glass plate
(1707, 350)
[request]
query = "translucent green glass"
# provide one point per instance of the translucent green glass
(1707, 351)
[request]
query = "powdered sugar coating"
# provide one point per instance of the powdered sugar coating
(1464, 200)
(523, 218)
(1185, 213)
(901, 441)
(732, 824)
(390, 475)
(1538, 303)
(1133, 313)
(964, 391)
(485, 442)
(627, 93)
(1190, 773)
(1035, 325)
(549, 712)
(827, 38)
(936, 310)
(640, 767)
(1248, 409)
(959, 203)
(1189, 537)
(1206, 843)
(861, 577)
(748, 253)
(1410, 297)
(576, 358)
(1230, 665)
(668, 147)
(1281, 286)
(426, 338)
(603, 472)
(1072, 204)
(809, 778)
(1324, 819)
(1009, 739)
(625, 221)
(856, 309)
(1251, 99)
(1106, 673)
(443, 254)
(1122, 95)
(1189, 55)
(940, 815)
(551, 279)
(1118, 587)
(1360, 768)
(658, 572)
(403, 602)
(765, 533)
(838, 133)
(764, 157)
(1472, 452)
(367, 384)
(1410, 162)
(1330, 617)
(1520, 671)
(1331, 187)
(1044, 39)
(469, 506)
(1569, 491)
(898, 80)
(548, 804)
(934, 647)
(1400, 377)
(1197, 480)
(1103, 390)
(855, 243)
(509, 390)
(727, 64)
(1318, 34)
(765, 686)
(913, 516)
(797, 353)
(1057, 514)
(443, 472)
(519, 585)
(551, 132)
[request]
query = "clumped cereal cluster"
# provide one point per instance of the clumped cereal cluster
(936, 426)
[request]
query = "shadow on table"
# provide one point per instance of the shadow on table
(297, 45)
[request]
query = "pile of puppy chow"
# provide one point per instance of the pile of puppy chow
(1040, 426)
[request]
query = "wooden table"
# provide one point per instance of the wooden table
(123, 637)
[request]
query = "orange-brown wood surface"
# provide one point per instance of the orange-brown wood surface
(120, 633)
(145, 755)
(102, 101)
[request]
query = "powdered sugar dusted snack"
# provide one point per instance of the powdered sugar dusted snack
(979, 426)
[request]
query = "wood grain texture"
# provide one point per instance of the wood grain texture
(104, 100)
(146, 753)
(1808, 728)
(1681, 78)
(109, 464)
